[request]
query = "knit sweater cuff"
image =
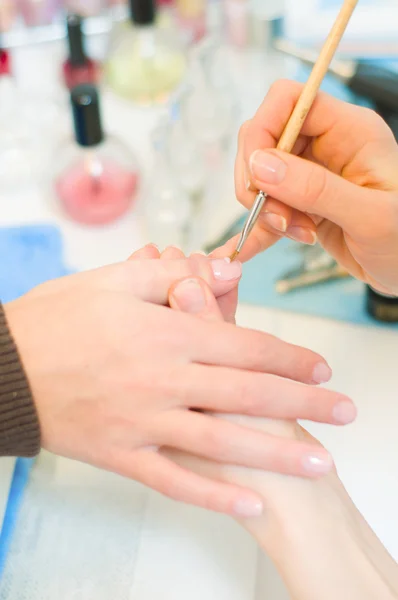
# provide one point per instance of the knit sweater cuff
(19, 423)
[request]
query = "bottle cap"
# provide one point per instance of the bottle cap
(142, 11)
(77, 54)
(86, 115)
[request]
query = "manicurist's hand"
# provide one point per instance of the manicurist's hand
(340, 185)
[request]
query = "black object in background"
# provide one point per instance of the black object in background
(380, 307)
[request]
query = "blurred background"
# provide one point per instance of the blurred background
(119, 122)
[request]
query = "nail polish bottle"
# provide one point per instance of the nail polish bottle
(39, 12)
(145, 63)
(78, 68)
(97, 179)
(191, 18)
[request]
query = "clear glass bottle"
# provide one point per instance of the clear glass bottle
(192, 18)
(145, 62)
(185, 152)
(97, 177)
(167, 204)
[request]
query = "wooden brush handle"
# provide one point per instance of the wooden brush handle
(311, 88)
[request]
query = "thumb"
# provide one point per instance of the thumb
(194, 296)
(314, 189)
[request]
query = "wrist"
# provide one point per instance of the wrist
(324, 549)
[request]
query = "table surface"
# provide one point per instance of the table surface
(363, 359)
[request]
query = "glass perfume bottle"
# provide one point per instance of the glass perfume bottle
(145, 62)
(167, 205)
(39, 12)
(78, 68)
(97, 178)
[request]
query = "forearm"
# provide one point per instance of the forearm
(319, 542)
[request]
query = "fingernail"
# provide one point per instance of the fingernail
(320, 463)
(267, 167)
(303, 235)
(225, 270)
(322, 373)
(275, 221)
(344, 412)
(247, 507)
(189, 296)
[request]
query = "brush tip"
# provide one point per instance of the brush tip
(234, 255)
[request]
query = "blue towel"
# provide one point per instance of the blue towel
(29, 256)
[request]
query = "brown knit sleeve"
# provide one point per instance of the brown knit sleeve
(19, 423)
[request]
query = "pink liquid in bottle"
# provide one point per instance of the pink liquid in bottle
(97, 200)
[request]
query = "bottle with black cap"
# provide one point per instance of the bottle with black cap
(78, 68)
(98, 175)
(145, 63)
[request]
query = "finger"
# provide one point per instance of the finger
(330, 119)
(150, 251)
(251, 350)
(151, 281)
(159, 473)
(229, 443)
(260, 394)
(279, 215)
(314, 189)
(172, 252)
(228, 304)
(193, 296)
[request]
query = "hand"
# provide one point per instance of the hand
(343, 172)
(311, 530)
(114, 373)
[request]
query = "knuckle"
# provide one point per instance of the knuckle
(371, 116)
(247, 395)
(199, 267)
(214, 442)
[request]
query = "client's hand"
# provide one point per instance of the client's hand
(317, 539)
(114, 373)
